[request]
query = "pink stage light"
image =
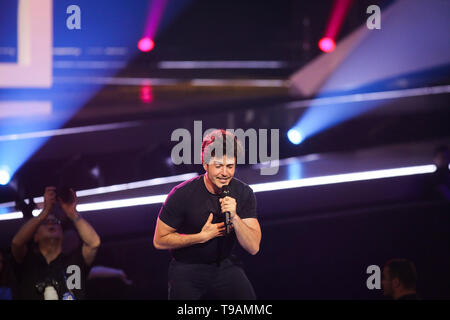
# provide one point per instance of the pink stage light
(154, 16)
(146, 94)
(146, 44)
(338, 14)
(327, 44)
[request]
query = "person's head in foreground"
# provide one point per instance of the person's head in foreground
(441, 157)
(50, 230)
(399, 279)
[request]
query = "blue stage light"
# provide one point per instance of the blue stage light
(5, 176)
(295, 136)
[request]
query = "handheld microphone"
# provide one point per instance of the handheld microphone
(226, 192)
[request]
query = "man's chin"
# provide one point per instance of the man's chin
(220, 183)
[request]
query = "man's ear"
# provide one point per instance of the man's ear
(205, 166)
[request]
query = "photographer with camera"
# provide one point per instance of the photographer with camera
(43, 271)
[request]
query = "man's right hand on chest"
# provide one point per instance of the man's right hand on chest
(212, 230)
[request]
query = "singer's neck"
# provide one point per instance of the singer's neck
(211, 187)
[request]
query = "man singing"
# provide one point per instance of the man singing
(192, 225)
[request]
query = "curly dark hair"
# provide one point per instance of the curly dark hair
(219, 140)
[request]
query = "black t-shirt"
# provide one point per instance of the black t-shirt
(187, 209)
(34, 272)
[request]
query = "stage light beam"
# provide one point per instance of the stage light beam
(259, 187)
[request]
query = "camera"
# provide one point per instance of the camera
(40, 286)
(65, 194)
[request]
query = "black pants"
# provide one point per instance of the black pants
(208, 281)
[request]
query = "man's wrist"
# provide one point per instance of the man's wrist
(43, 214)
(202, 237)
(75, 217)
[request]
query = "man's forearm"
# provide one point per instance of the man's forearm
(26, 232)
(87, 233)
(248, 237)
(176, 240)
